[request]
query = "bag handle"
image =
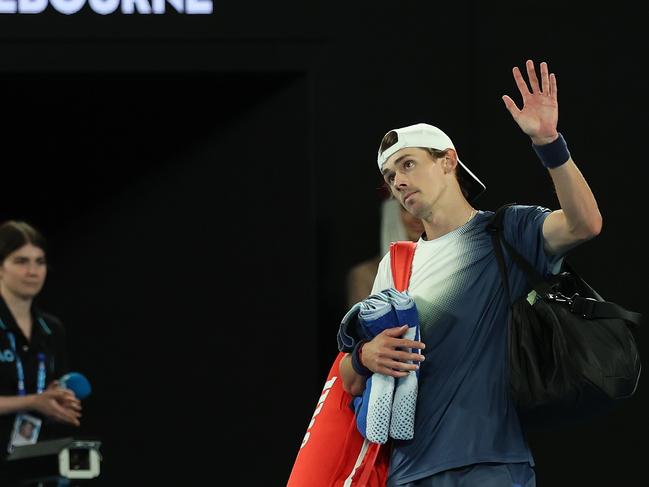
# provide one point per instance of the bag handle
(587, 307)
(593, 309)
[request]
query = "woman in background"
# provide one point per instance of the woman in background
(32, 343)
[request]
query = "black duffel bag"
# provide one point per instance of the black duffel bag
(572, 355)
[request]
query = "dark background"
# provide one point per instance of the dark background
(205, 183)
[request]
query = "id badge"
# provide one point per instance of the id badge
(25, 432)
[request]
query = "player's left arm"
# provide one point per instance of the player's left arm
(579, 218)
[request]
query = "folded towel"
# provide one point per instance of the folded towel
(373, 408)
(402, 422)
(380, 411)
(373, 415)
(348, 331)
(376, 314)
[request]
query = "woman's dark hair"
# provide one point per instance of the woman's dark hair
(15, 234)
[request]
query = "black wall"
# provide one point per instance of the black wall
(165, 156)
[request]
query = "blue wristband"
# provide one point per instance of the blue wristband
(356, 360)
(553, 154)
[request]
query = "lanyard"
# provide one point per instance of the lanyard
(40, 380)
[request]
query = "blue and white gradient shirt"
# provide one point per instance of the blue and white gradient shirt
(465, 413)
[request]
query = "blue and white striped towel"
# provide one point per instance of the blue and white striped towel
(387, 406)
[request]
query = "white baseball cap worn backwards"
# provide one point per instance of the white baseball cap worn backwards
(429, 136)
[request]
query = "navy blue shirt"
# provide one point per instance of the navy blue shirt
(465, 413)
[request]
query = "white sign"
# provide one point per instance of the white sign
(105, 7)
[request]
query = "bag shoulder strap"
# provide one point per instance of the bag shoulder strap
(587, 307)
(495, 227)
(401, 255)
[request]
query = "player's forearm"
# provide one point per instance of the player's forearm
(577, 200)
(353, 383)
